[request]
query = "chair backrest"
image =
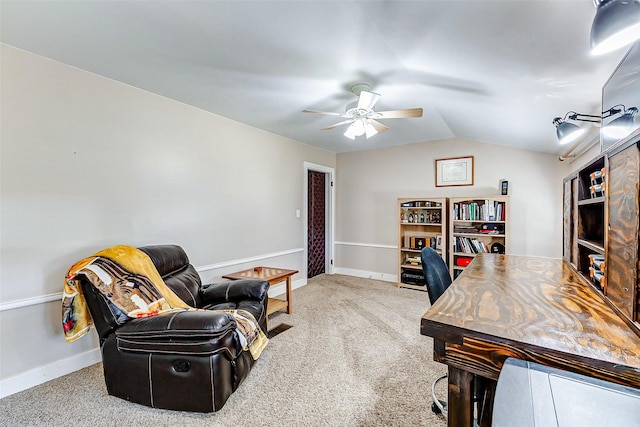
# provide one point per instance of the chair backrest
(436, 273)
(172, 263)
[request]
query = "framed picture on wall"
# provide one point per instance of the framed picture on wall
(454, 171)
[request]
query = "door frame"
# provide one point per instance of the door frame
(329, 215)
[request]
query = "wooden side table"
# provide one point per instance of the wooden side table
(273, 276)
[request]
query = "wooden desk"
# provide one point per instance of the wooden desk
(273, 276)
(530, 308)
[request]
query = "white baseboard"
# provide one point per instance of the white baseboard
(48, 372)
(367, 274)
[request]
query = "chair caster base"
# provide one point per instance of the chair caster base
(435, 409)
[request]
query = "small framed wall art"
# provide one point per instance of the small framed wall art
(454, 171)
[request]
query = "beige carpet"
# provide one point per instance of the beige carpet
(354, 357)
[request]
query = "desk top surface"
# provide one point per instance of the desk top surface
(536, 302)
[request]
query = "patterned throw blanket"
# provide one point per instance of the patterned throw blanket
(127, 277)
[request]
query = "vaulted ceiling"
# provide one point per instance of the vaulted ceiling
(492, 71)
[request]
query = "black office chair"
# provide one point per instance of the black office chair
(438, 279)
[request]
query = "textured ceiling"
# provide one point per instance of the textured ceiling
(493, 71)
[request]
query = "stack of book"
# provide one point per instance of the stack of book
(465, 229)
(413, 261)
(468, 245)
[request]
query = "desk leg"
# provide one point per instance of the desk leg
(289, 308)
(460, 400)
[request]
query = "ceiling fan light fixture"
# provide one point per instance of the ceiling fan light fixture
(616, 24)
(361, 117)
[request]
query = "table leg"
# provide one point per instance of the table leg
(289, 308)
(460, 398)
(485, 393)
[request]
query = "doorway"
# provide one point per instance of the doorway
(316, 223)
(319, 216)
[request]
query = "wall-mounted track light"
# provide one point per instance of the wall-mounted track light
(568, 132)
(616, 24)
(617, 128)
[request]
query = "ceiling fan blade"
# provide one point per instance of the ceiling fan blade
(322, 112)
(367, 100)
(337, 124)
(399, 114)
(378, 126)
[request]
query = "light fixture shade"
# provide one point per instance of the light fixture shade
(622, 126)
(616, 24)
(369, 130)
(568, 132)
(358, 127)
(350, 132)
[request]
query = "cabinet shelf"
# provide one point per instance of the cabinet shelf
(470, 254)
(416, 287)
(416, 250)
(594, 201)
(478, 221)
(593, 245)
(412, 266)
(478, 234)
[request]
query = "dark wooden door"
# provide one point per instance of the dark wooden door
(316, 223)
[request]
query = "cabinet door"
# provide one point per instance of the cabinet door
(622, 247)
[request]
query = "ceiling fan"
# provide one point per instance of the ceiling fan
(361, 117)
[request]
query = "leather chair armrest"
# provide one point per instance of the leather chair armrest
(195, 332)
(205, 324)
(234, 290)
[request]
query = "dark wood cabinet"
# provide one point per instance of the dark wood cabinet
(601, 227)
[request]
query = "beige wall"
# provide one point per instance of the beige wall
(369, 183)
(88, 162)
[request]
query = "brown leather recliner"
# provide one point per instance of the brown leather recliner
(187, 361)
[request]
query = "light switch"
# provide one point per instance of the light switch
(297, 213)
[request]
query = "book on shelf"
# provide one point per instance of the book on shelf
(469, 245)
(489, 210)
